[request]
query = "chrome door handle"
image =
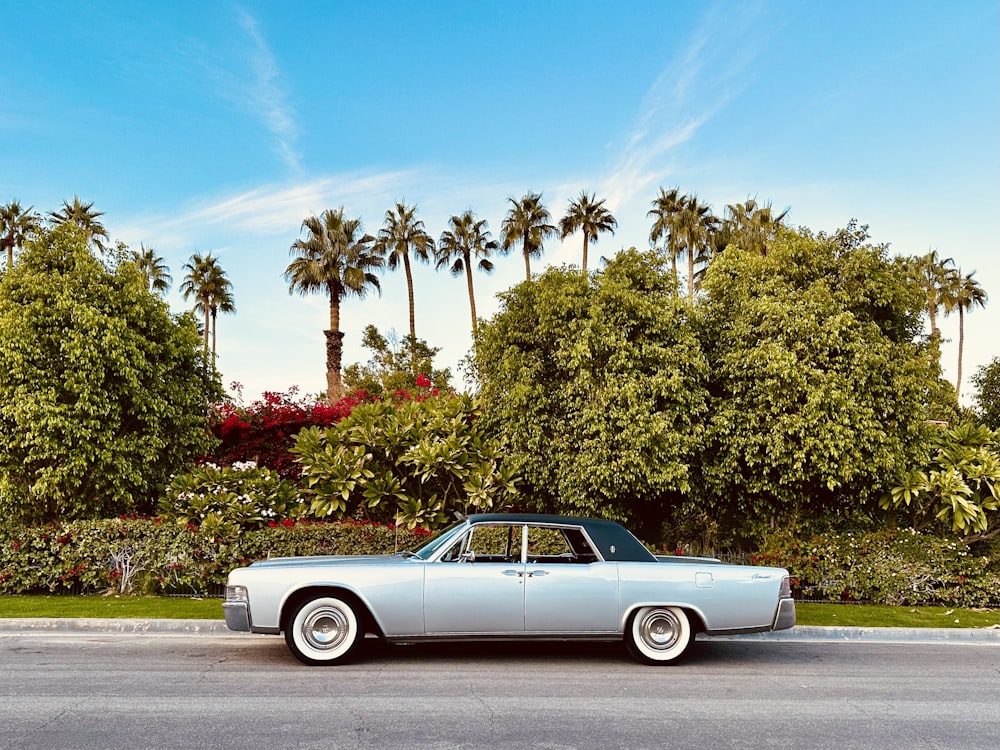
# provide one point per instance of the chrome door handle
(536, 573)
(517, 573)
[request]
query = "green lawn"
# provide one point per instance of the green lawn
(156, 607)
(143, 607)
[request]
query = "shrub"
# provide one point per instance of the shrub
(226, 500)
(415, 461)
(887, 567)
(265, 431)
(143, 555)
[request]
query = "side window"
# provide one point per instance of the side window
(554, 545)
(494, 543)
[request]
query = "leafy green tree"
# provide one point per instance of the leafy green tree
(401, 234)
(596, 389)
(819, 391)
(987, 382)
(85, 217)
(16, 226)
(153, 269)
(337, 259)
(102, 396)
(589, 216)
(527, 224)
(964, 294)
(414, 462)
(206, 281)
(467, 241)
(391, 367)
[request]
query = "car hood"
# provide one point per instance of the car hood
(329, 561)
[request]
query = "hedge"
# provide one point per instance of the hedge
(895, 567)
(150, 556)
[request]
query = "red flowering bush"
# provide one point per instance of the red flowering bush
(264, 431)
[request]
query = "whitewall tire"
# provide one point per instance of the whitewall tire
(658, 635)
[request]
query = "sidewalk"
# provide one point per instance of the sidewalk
(65, 626)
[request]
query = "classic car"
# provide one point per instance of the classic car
(514, 576)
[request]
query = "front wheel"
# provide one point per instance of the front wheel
(323, 631)
(658, 635)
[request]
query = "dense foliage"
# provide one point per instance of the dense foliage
(227, 500)
(265, 431)
(596, 388)
(102, 392)
(957, 482)
(396, 366)
(142, 555)
(987, 382)
(415, 461)
(819, 385)
(894, 566)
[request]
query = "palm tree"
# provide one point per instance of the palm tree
(335, 258)
(664, 214)
(467, 239)
(16, 225)
(588, 215)
(964, 294)
(212, 291)
(401, 233)
(754, 226)
(527, 223)
(154, 271)
(935, 276)
(84, 216)
(692, 224)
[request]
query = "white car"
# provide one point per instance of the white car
(508, 576)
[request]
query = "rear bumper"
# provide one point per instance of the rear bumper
(237, 616)
(784, 618)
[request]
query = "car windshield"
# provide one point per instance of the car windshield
(439, 540)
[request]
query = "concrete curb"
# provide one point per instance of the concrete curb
(836, 634)
(123, 626)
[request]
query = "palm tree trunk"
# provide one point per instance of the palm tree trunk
(527, 261)
(472, 299)
(207, 312)
(413, 318)
(585, 253)
(334, 353)
(961, 346)
(690, 254)
(215, 320)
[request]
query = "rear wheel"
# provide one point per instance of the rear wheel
(324, 631)
(658, 635)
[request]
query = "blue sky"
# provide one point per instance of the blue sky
(219, 126)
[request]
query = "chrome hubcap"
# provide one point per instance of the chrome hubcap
(659, 629)
(325, 629)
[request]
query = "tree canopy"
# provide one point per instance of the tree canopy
(102, 392)
(596, 388)
(819, 379)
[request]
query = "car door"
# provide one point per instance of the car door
(477, 587)
(567, 588)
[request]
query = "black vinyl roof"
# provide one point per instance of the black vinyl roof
(613, 540)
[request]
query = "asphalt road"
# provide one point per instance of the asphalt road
(109, 691)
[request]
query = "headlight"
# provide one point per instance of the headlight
(237, 594)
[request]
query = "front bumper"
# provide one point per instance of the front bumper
(237, 616)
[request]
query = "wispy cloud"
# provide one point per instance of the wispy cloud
(267, 96)
(267, 210)
(702, 79)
